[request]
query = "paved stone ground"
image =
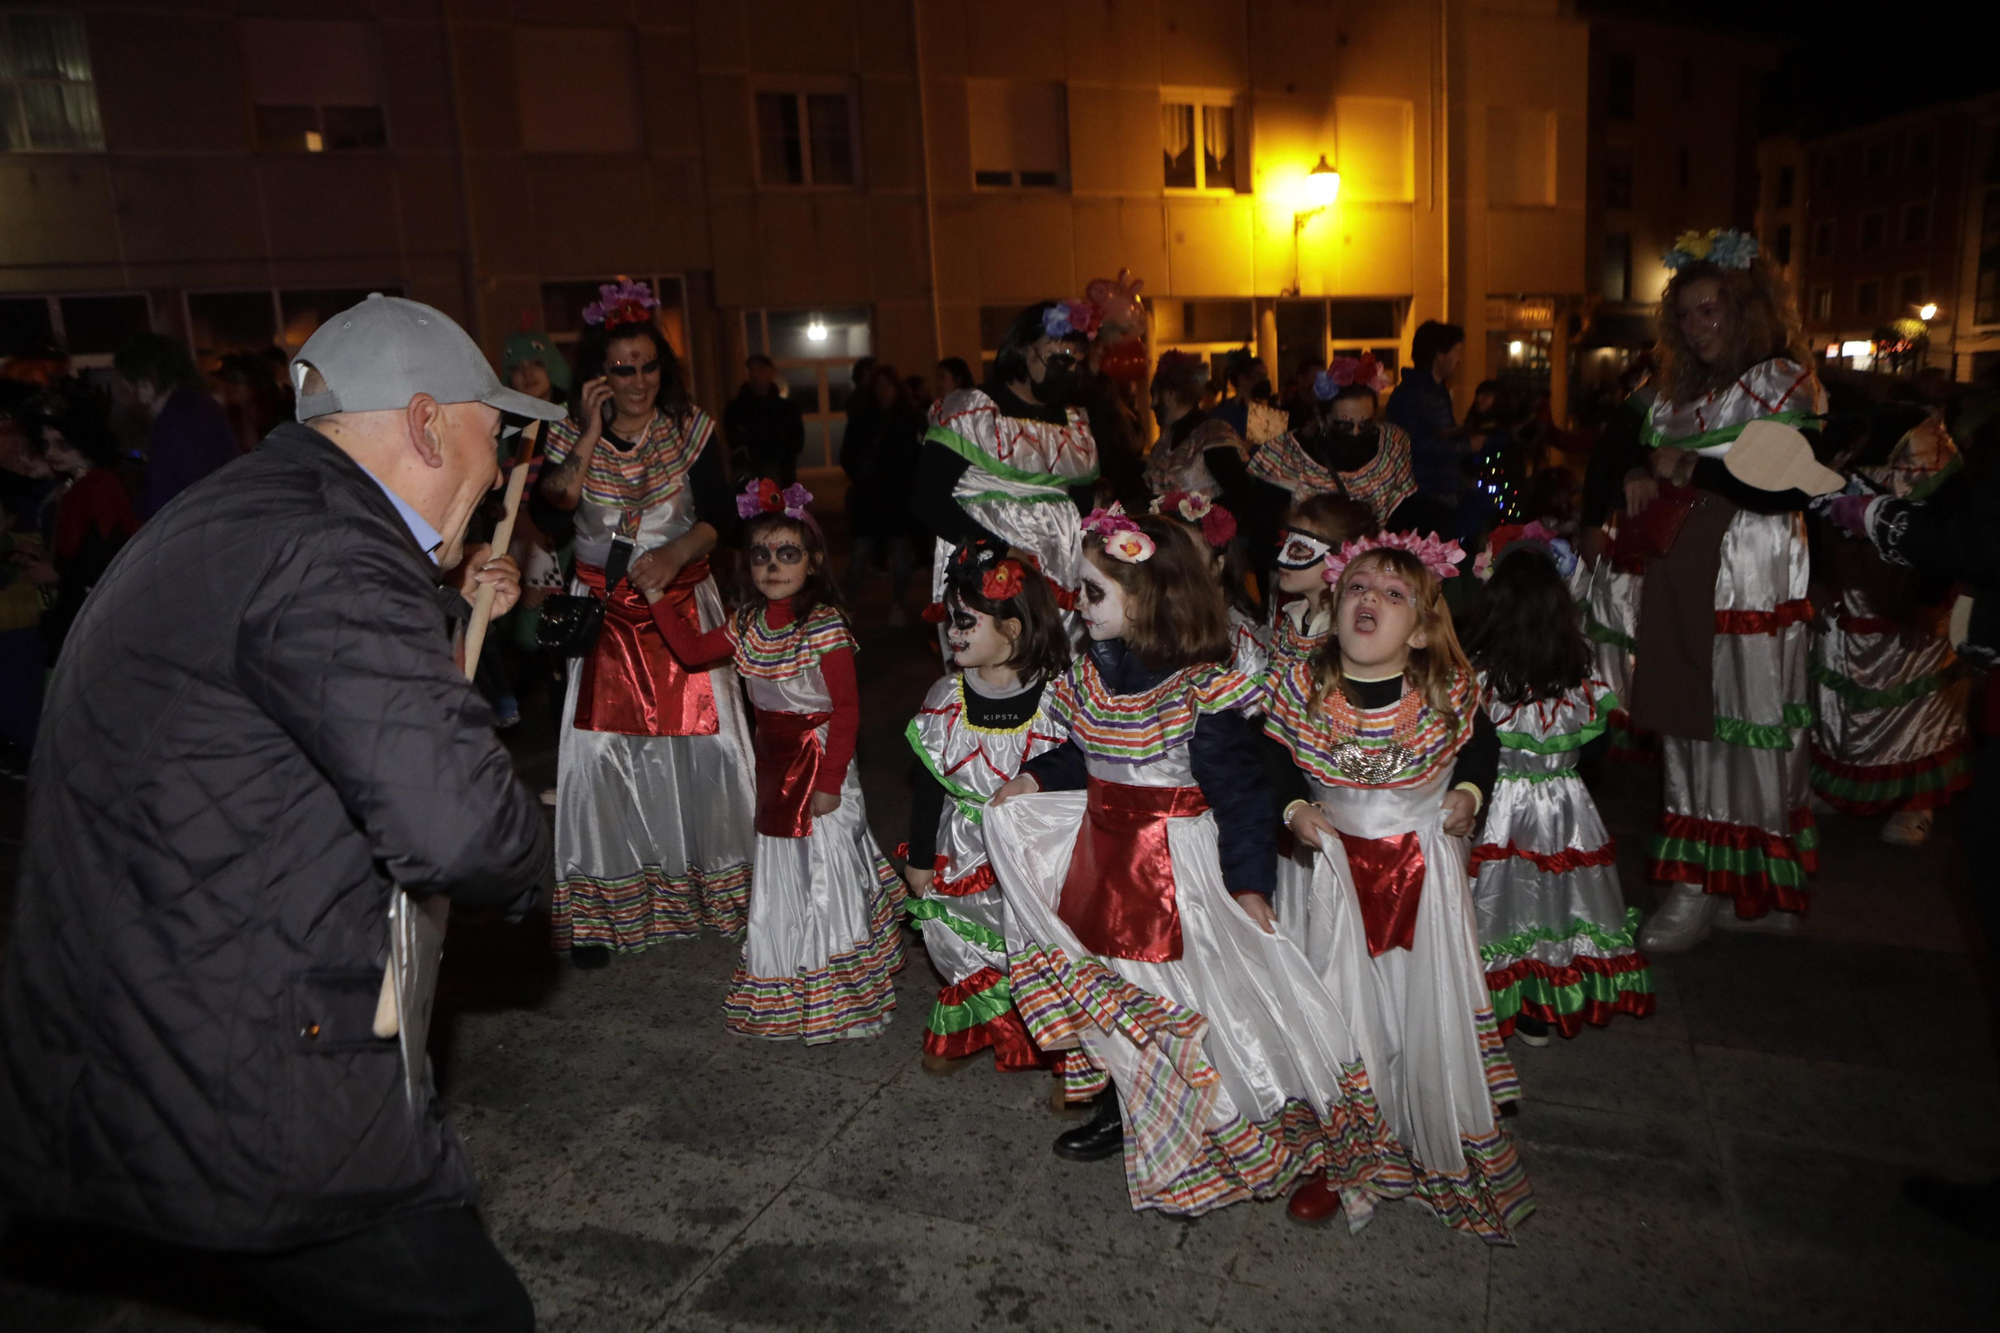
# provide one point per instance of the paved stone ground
(1731, 1162)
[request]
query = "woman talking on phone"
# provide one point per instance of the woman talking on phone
(654, 794)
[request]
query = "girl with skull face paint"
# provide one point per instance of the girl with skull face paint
(1004, 463)
(976, 728)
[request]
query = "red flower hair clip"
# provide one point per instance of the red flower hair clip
(1004, 581)
(1218, 525)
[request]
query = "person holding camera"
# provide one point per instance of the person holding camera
(654, 793)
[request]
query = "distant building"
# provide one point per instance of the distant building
(818, 179)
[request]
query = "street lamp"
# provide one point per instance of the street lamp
(1316, 193)
(1927, 312)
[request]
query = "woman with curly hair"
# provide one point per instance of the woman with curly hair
(653, 790)
(1721, 674)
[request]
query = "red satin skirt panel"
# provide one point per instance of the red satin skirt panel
(1119, 893)
(788, 755)
(1389, 880)
(632, 682)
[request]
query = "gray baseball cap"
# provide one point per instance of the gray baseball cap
(378, 355)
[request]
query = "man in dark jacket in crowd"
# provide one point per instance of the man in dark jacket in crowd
(256, 736)
(1421, 405)
(191, 435)
(765, 431)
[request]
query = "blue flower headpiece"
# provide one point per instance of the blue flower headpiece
(1722, 247)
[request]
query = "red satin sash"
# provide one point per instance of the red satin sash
(1389, 880)
(788, 755)
(1119, 893)
(632, 682)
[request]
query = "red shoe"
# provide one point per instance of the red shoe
(1315, 1201)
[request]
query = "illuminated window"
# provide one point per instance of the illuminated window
(814, 352)
(1916, 227)
(1872, 225)
(315, 85)
(1822, 303)
(252, 320)
(1198, 146)
(805, 138)
(48, 101)
(563, 304)
(1868, 297)
(1020, 134)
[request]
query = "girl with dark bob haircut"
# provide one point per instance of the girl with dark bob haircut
(1179, 617)
(1528, 639)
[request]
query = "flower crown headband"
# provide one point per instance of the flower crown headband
(621, 302)
(1346, 370)
(1122, 538)
(1071, 319)
(1537, 534)
(1001, 577)
(1439, 557)
(1218, 525)
(762, 496)
(1722, 247)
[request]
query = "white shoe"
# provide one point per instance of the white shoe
(1907, 828)
(1773, 922)
(1681, 923)
(549, 796)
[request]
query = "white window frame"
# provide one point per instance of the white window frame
(800, 89)
(1239, 122)
(822, 412)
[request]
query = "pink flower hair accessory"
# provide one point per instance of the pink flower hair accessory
(1109, 522)
(1071, 319)
(622, 302)
(762, 496)
(1440, 557)
(1218, 525)
(1132, 546)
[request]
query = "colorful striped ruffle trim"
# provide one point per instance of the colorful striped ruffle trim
(850, 996)
(975, 1014)
(1589, 990)
(1138, 728)
(1760, 870)
(1780, 617)
(1858, 696)
(1872, 789)
(1549, 863)
(631, 913)
(782, 654)
(1291, 720)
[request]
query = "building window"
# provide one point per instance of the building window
(1781, 245)
(805, 138)
(1875, 164)
(1683, 168)
(1868, 297)
(251, 321)
(1923, 148)
(1020, 134)
(88, 328)
(815, 352)
(1783, 196)
(315, 86)
(1620, 94)
(1910, 291)
(1826, 170)
(48, 102)
(1823, 239)
(1198, 146)
(1617, 178)
(1615, 280)
(1871, 231)
(563, 305)
(1822, 303)
(579, 90)
(1916, 223)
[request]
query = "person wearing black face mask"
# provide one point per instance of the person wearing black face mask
(995, 456)
(1341, 448)
(1199, 452)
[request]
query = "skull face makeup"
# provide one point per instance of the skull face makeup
(1301, 550)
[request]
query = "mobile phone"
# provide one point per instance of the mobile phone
(607, 412)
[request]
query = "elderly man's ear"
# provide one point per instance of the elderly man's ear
(424, 418)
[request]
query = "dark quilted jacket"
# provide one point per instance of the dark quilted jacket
(255, 731)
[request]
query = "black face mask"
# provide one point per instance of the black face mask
(1060, 382)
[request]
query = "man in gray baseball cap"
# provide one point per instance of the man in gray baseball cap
(255, 736)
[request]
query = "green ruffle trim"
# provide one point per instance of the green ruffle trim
(1550, 776)
(1764, 735)
(987, 463)
(1574, 998)
(1894, 789)
(970, 803)
(1749, 862)
(993, 1002)
(1860, 696)
(1708, 439)
(1602, 633)
(1575, 740)
(930, 909)
(1518, 944)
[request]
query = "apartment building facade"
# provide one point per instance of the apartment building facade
(815, 179)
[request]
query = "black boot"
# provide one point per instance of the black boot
(1103, 1136)
(589, 957)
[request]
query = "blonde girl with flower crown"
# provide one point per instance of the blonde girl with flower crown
(1393, 759)
(1136, 863)
(822, 939)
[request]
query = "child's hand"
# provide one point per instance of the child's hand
(1310, 825)
(1020, 786)
(1459, 809)
(825, 803)
(1258, 910)
(919, 879)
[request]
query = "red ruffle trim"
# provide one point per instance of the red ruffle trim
(1013, 1049)
(1638, 1004)
(1550, 863)
(1756, 892)
(978, 881)
(1779, 617)
(1935, 799)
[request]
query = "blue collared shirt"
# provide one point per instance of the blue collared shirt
(428, 537)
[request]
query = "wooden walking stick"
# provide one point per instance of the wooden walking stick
(416, 928)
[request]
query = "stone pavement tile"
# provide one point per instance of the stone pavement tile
(1605, 1071)
(1874, 894)
(1924, 1121)
(1927, 1011)
(818, 1261)
(981, 1087)
(1831, 1244)
(1627, 1144)
(745, 1109)
(1783, 996)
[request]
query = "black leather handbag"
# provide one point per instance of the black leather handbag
(569, 625)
